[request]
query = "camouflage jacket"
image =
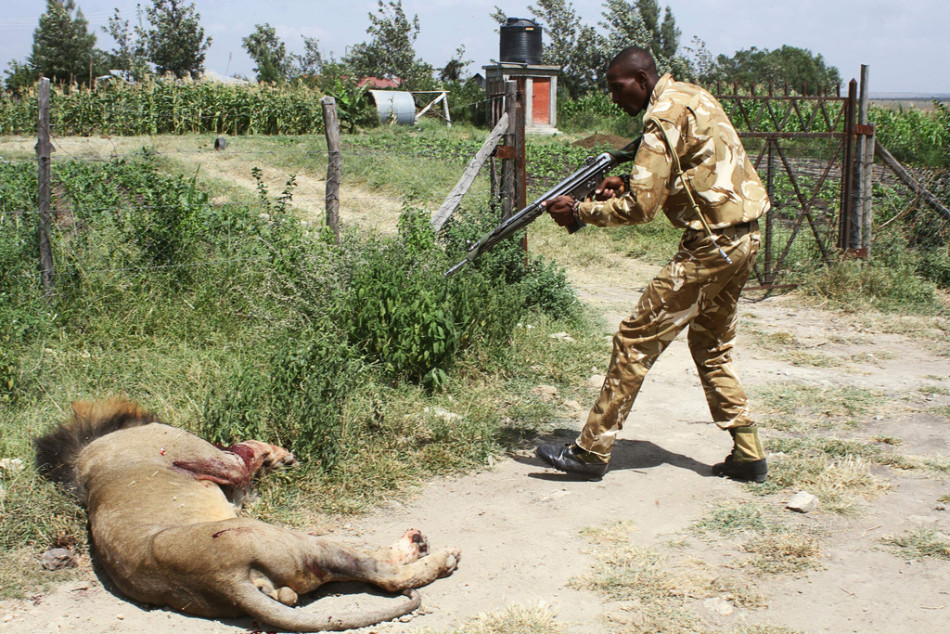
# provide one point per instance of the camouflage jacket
(724, 183)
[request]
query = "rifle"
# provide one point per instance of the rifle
(578, 185)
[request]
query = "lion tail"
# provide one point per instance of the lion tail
(57, 451)
(274, 613)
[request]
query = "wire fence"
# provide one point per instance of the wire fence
(92, 191)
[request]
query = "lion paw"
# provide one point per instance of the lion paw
(411, 547)
(287, 596)
(452, 558)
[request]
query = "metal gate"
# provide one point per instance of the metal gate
(801, 146)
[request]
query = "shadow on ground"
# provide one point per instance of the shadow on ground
(636, 455)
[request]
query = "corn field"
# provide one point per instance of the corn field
(165, 107)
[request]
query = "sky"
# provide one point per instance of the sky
(904, 43)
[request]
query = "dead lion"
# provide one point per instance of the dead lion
(166, 533)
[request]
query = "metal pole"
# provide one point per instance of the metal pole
(860, 193)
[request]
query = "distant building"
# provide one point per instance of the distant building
(377, 83)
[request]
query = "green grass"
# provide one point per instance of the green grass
(803, 407)
(777, 544)
(923, 543)
(734, 518)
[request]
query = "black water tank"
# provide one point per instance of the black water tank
(520, 41)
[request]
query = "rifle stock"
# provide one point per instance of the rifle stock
(578, 185)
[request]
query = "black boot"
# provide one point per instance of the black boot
(573, 459)
(748, 471)
(747, 460)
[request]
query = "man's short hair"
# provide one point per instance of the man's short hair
(632, 59)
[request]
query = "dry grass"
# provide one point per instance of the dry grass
(783, 553)
(922, 543)
(647, 591)
(839, 482)
(778, 543)
(787, 347)
(515, 619)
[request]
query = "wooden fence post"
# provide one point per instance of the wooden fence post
(870, 140)
(847, 172)
(508, 201)
(44, 177)
(521, 173)
(331, 125)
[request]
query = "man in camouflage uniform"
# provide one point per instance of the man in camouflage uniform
(691, 164)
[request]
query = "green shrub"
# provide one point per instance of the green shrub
(292, 398)
(595, 112)
(401, 315)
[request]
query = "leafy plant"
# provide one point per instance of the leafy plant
(291, 399)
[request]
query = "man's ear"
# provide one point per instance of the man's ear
(642, 79)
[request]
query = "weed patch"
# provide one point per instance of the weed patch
(922, 543)
(733, 519)
(777, 545)
(515, 619)
(782, 553)
(837, 472)
(802, 407)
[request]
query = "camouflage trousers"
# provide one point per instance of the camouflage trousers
(698, 289)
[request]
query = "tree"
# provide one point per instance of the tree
(175, 40)
(669, 36)
(453, 69)
(20, 76)
(311, 63)
(269, 53)
(63, 48)
(390, 51)
(638, 24)
(129, 54)
(797, 67)
(625, 26)
(575, 47)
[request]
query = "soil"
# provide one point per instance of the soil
(520, 525)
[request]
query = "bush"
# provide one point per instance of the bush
(292, 399)
(595, 112)
(400, 309)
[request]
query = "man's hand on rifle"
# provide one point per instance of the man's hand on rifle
(610, 187)
(561, 210)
